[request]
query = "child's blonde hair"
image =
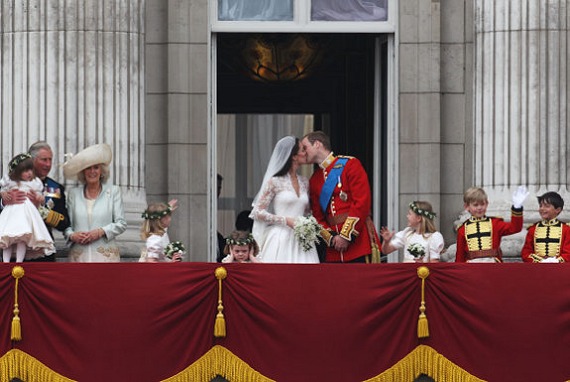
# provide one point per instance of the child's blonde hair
(425, 211)
(152, 216)
(241, 238)
(474, 194)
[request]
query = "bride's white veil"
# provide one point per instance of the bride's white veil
(279, 157)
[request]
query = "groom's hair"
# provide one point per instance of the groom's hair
(314, 136)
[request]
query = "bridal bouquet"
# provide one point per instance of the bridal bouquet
(173, 248)
(307, 231)
(417, 250)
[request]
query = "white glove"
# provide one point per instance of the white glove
(549, 260)
(519, 196)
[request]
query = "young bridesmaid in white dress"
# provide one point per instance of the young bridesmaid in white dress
(421, 242)
(154, 231)
(22, 229)
(240, 248)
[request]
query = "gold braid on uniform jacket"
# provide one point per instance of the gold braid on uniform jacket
(420, 211)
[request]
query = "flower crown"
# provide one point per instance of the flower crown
(17, 160)
(420, 211)
(241, 241)
(155, 215)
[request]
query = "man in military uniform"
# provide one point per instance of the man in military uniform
(55, 214)
(340, 200)
(479, 238)
(548, 241)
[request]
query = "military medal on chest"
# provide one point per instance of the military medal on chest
(342, 195)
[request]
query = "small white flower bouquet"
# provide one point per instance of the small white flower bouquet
(173, 248)
(44, 211)
(307, 232)
(417, 250)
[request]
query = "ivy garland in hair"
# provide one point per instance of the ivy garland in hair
(420, 211)
(157, 214)
(17, 160)
(243, 241)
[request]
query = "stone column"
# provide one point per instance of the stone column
(521, 98)
(72, 73)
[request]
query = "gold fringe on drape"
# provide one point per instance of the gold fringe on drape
(423, 328)
(16, 333)
(219, 361)
(424, 360)
(220, 324)
(17, 364)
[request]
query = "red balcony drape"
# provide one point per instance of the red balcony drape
(329, 322)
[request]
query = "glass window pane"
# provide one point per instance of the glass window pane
(260, 10)
(349, 10)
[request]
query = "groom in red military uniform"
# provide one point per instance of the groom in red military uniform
(340, 201)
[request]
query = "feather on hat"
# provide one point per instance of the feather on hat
(92, 155)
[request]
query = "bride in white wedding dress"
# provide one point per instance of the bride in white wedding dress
(283, 197)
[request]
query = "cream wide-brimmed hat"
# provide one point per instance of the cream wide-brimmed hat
(92, 155)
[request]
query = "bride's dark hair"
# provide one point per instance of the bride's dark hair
(287, 166)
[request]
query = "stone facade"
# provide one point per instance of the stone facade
(72, 75)
(178, 117)
(469, 111)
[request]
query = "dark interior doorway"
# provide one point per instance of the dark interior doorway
(341, 91)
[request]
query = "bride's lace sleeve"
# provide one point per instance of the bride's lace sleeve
(261, 208)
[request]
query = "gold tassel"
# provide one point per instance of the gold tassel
(375, 253)
(17, 273)
(220, 324)
(423, 328)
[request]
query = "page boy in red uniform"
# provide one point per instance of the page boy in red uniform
(548, 241)
(479, 238)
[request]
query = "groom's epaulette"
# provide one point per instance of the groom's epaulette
(345, 156)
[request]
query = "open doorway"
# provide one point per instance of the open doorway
(343, 93)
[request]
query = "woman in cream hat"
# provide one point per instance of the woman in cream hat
(95, 207)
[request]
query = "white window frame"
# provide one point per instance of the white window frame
(302, 22)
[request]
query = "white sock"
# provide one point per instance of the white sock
(7, 254)
(20, 252)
